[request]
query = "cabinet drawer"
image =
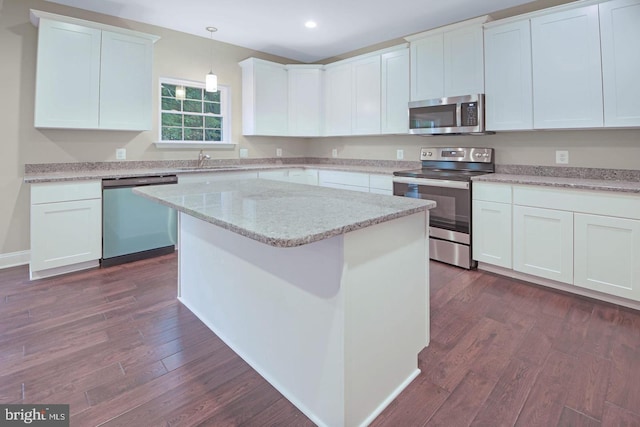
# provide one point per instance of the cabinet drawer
(51, 192)
(490, 192)
(381, 182)
(607, 203)
(347, 178)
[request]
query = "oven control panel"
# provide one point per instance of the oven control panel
(479, 155)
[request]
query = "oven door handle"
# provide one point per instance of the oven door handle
(443, 183)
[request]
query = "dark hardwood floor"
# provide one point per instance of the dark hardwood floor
(116, 345)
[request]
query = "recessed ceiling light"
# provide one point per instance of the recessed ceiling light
(310, 24)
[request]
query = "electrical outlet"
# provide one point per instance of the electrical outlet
(244, 153)
(399, 154)
(562, 157)
(121, 153)
(334, 153)
(278, 152)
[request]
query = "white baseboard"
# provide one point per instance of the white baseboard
(13, 259)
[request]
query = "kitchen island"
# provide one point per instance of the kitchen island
(324, 292)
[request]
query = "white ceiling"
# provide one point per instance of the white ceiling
(277, 26)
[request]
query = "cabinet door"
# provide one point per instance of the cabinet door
(305, 101)
(303, 176)
(427, 68)
(126, 82)
(607, 251)
(508, 81)
(620, 33)
(395, 92)
(264, 98)
(463, 61)
(338, 84)
(67, 76)
(65, 233)
(366, 96)
(567, 76)
(492, 233)
(543, 243)
(216, 176)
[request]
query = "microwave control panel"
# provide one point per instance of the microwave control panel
(469, 112)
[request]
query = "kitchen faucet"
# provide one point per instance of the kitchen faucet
(202, 157)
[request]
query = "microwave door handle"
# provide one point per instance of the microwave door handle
(442, 183)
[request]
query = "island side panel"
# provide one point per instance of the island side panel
(386, 281)
(280, 309)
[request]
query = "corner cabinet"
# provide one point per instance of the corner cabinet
(66, 227)
(92, 76)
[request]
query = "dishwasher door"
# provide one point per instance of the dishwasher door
(133, 227)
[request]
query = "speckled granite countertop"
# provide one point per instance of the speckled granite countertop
(282, 214)
(105, 170)
(596, 179)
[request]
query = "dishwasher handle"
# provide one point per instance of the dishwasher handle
(139, 181)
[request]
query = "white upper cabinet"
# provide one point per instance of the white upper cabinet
(338, 93)
(125, 92)
(508, 81)
(395, 92)
(366, 96)
(448, 61)
(264, 98)
(92, 76)
(620, 34)
(567, 77)
(305, 99)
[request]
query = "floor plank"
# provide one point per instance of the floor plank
(117, 346)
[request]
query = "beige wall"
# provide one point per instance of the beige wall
(180, 55)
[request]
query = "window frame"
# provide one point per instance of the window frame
(225, 113)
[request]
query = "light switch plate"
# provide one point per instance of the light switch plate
(244, 153)
(399, 154)
(334, 152)
(121, 154)
(562, 157)
(278, 152)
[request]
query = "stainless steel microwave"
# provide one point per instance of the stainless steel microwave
(445, 116)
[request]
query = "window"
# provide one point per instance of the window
(189, 114)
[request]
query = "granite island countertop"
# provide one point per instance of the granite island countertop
(282, 214)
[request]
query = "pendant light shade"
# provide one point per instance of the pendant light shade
(211, 80)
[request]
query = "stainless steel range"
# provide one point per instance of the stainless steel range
(445, 177)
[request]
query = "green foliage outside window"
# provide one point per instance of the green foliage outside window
(196, 118)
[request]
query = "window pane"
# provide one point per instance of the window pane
(213, 135)
(168, 90)
(194, 93)
(193, 106)
(169, 119)
(193, 121)
(171, 134)
(212, 96)
(169, 104)
(210, 107)
(213, 122)
(192, 134)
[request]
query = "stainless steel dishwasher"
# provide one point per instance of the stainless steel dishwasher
(133, 227)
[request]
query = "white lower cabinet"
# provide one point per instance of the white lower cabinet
(381, 184)
(587, 239)
(607, 255)
(298, 176)
(66, 227)
(215, 176)
(492, 233)
(344, 180)
(543, 243)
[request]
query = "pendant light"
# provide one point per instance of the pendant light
(211, 81)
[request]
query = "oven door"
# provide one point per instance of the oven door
(451, 218)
